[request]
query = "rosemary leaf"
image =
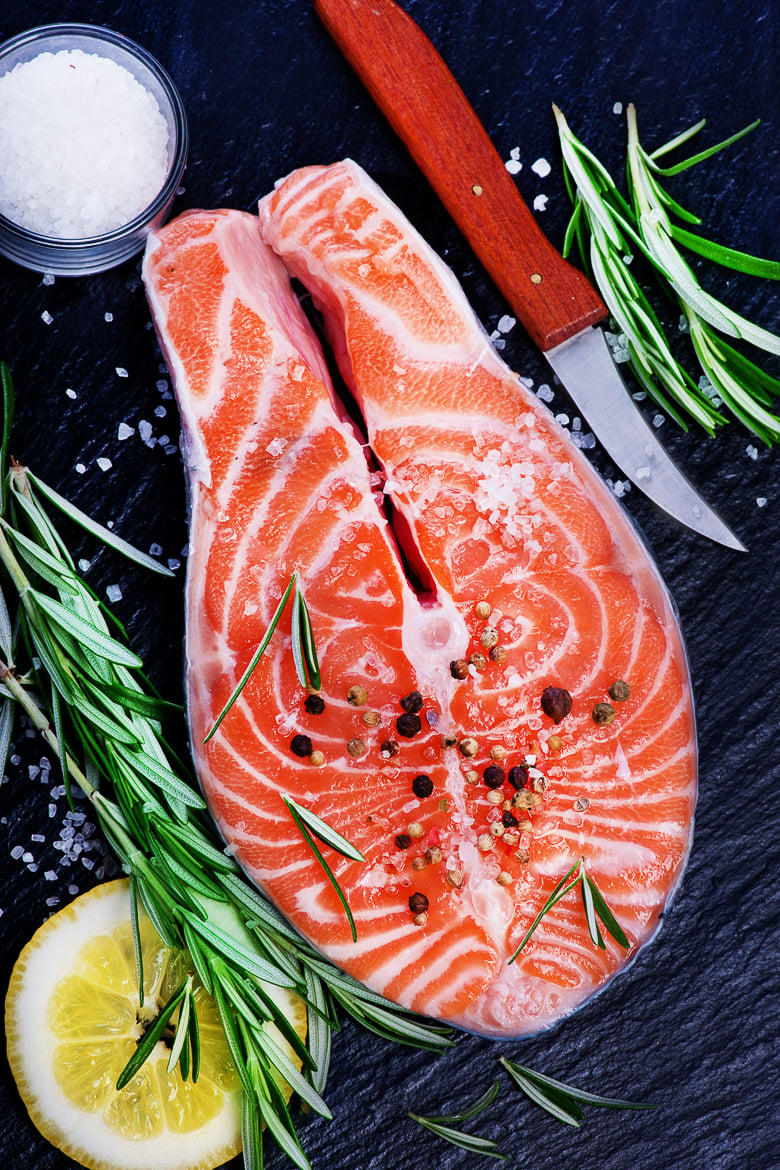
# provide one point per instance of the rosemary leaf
(135, 925)
(150, 1037)
(6, 381)
(322, 830)
(297, 643)
(560, 891)
(193, 1039)
(297, 1082)
(324, 865)
(602, 909)
(182, 1029)
(557, 1097)
(245, 677)
(487, 1098)
(225, 944)
(456, 1137)
(104, 535)
(590, 913)
(318, 1031)
(727, 257)
(102, 644)
(306, 635)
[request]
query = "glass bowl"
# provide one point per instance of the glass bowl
(77, 257)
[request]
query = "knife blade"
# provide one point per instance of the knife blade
(555, 302)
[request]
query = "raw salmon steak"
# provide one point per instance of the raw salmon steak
(458, 557)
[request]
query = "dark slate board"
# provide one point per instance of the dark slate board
(693, 1024)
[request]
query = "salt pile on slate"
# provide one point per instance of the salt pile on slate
(83, 145)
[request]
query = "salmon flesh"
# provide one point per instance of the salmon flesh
(460, 559)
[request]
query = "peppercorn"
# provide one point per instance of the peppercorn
(495, 796)
(459, 668)
(497, 829)
(555, 743)
(498, 752)
(509, 820)
(524, 799)
(422, 786)
(434, 855)
(478, 661)
(356, 748)
(468, 747)
(420, 919)
(317, 759)
(484, 842)
(419, 863)
(471, 777)
(518, 776)
(449, 741)
(403, 841)
(619, 691)
(483, 609)
(454, 878)
(498, 654)
(372, 718)
(603, 714)
(408, 725)
(412, 702)
(418, 903)
(389, 748)
(415, 830)
(314, 704)
(504, 878)
(300, 745)
(489, 637)
(494, 776)
(556, 703)
(357, 696)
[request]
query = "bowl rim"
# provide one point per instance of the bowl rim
(101, 33)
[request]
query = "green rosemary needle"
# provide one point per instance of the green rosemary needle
(558, 1099)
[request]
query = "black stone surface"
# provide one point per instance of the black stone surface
(693, 1024)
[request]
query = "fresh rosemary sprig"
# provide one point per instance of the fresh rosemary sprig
(444, 1127)
(594, 905)
(560, 1100)
(612, 232)
(307, 665)
(87, 696)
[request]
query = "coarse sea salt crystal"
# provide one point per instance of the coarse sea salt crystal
(85, 147)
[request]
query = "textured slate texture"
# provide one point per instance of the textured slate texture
(693, 1024)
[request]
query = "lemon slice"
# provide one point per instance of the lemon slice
(73, 1019)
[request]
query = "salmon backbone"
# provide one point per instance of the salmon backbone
(503, 695)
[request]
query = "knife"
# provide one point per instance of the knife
(557, 305)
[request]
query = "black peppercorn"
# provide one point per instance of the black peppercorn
(408, 725)
(509, 820)
(494, 776)
(412, 702)
(556, 702)
(422, 786)
(459, 668)
(300, 745)
(518, 776)
(389, 747)
(403, 841)
(418, 903)
(315, 704)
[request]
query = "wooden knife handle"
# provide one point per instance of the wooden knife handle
(426, 107)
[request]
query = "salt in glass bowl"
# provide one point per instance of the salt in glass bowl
(79, 257)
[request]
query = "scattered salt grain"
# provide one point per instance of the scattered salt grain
(103, 463)
(70, 393)
(617, 108)
(121, 372)
(28, 858)
(84, 564)
(80, 468)
(108, 317)
(17, 852)
(545, 393)
(145, 431)
(54, 900)
(114, 592)
(658, 420)
(48, 279)
(541, 168)
(84, 145)
(540, 202)
(46, 317)
(155, 550)
(124, 432)
(761, 501)
(160, 411)
(50, 875)
(513, 164)
(752, 451)
(562, 419)
(38, 838)
(173, 564)
(506, 323)
(161, 385)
